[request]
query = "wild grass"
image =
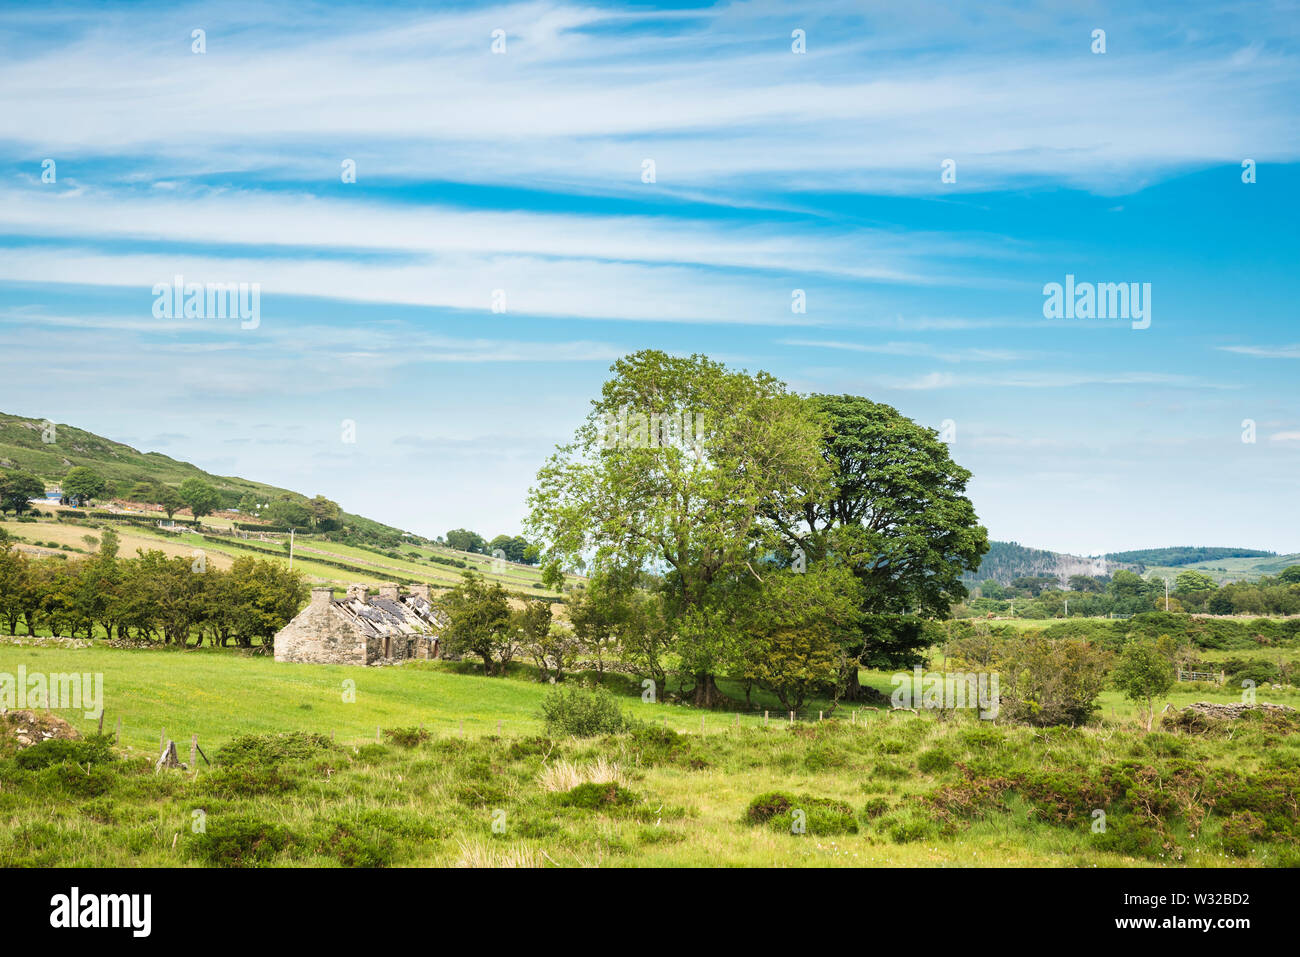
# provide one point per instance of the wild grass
(298, 779)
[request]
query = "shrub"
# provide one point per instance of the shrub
(1260, 672)
(247, 780)
(781, 812)
(95, 750)
(596, 796)
(238, 841)
(355, 846)
(1048, 682)
(874, 808)
(583, 712)
(270, 748)
(933, 761)
(406, 737)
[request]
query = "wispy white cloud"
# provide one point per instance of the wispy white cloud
(1048, 380)
(1265, 352)
(916, 349)
(579, 99)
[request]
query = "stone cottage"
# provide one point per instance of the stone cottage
(362, 629)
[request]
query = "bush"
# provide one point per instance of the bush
(780, 811)
(238, 841)
(933, 761)
(1051, 681)
(94, 750)
(246, 780)
(596, 796)
(406, 737)
(1260, 672)
(270, 748)
(583, 712)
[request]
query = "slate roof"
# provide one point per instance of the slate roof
(410, 615)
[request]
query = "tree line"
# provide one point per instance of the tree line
(1127, 593)
(151, 597)
(515, 548)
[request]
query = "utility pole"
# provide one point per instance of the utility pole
(291, 555)
(1166, 594)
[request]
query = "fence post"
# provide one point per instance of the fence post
(498, 727)
(194, 754)
(162, 740)
(377, 735)
(791, 719)
(819, 715)
(765, 719)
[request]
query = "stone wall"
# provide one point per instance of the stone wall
(320, 636)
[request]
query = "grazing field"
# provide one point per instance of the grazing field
(1229, 569)
(874, 787)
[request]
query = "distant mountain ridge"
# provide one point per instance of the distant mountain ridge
(1007, 561)
(1186, 555)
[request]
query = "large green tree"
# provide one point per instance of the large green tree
(169, 499)
(636, 490)
(896, 514)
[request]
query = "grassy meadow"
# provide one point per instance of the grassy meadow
(299, 779)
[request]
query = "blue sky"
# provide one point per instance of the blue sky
(774, 171)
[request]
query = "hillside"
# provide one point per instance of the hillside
(1007, 561)
(368, 551)
(23, 446)
(1185, 555)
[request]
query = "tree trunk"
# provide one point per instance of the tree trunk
(706, 693)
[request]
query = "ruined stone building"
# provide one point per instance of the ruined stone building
(362, 629)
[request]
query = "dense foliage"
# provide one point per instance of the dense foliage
(150, 597)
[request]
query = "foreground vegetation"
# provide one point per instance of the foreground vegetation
(298, 778)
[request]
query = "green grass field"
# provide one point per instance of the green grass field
(881, 789)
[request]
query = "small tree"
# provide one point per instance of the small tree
(16, 491)
(462, 539)
(1143, 674)
(479, 623)
(201, 498)
(82, 484)
(169, 499)
(552, 646)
